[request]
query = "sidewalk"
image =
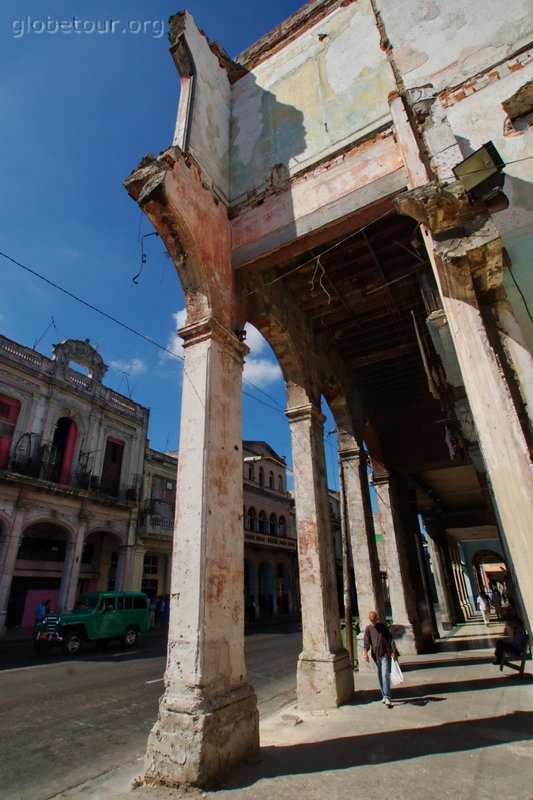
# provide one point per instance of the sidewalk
(459, 728)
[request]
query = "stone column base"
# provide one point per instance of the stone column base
(324, 680)
(199, 746)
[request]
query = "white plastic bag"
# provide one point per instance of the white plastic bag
(396, 675)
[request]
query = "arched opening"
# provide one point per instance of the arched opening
(63, 444)
(38, 572)
(282, 526)
(271, 480)
(261, 522)
(266, 589)
(492, 575)
(273, 525)
(261, 475)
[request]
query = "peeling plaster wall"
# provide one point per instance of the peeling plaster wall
(324, 90)
(444, 43)
(210, 122)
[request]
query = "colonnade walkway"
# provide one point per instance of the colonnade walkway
(459, 728)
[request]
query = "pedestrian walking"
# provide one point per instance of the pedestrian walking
(497, 602)
(40, 613)
(378, 640)
(484, 606)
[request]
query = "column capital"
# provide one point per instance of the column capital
(308, 411)
(211, 328)
(351, 454)
(381, 478)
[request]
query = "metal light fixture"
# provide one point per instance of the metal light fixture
(481, 173)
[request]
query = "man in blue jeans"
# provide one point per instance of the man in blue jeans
(379, 641)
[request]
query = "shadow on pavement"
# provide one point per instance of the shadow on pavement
(377, 748)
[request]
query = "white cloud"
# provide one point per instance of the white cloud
(254, 340)
(174, 341)
(261, 372)
(132, 367)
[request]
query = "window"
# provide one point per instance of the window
(261, 476)
(251, 474)
(273, 525)
(151, 565)
(270, 480)
(250, 519)
(261, 522)
(282, 528)
(139, 602)
(150, 587)
(280, 483)
(112, 466)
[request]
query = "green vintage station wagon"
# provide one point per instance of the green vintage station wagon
(98, 617)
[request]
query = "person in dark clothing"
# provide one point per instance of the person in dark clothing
(514, 639)
(378, 640)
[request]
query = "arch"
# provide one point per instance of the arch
(280, 483)
(174, 193)
(266, 589)
(271, 480)
(282, 526)
(273, 525)
(261, 476)
(39, 569)
(262, 522)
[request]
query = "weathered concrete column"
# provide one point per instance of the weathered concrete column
(12, 545)
(362, 535)
(463, 268)
(442, 584)
(459, 582)
(208, 719)
(71, 569)
(325, 676)
(465, 252)
(401, 592)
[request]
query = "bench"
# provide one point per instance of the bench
(509, 659)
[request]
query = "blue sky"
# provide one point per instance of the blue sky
(81, 106)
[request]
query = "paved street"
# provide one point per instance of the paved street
(63, 721)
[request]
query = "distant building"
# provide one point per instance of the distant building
(156, 521)
(71, 460)
(270, 560)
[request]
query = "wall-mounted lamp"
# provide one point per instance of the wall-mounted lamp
(481, 173)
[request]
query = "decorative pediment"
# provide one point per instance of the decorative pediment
(81, 353)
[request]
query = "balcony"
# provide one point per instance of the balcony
(41, 470)
(267, 540)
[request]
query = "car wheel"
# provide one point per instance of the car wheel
(72, 644)
(130, 637)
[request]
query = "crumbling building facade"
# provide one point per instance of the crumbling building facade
(321, 188)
